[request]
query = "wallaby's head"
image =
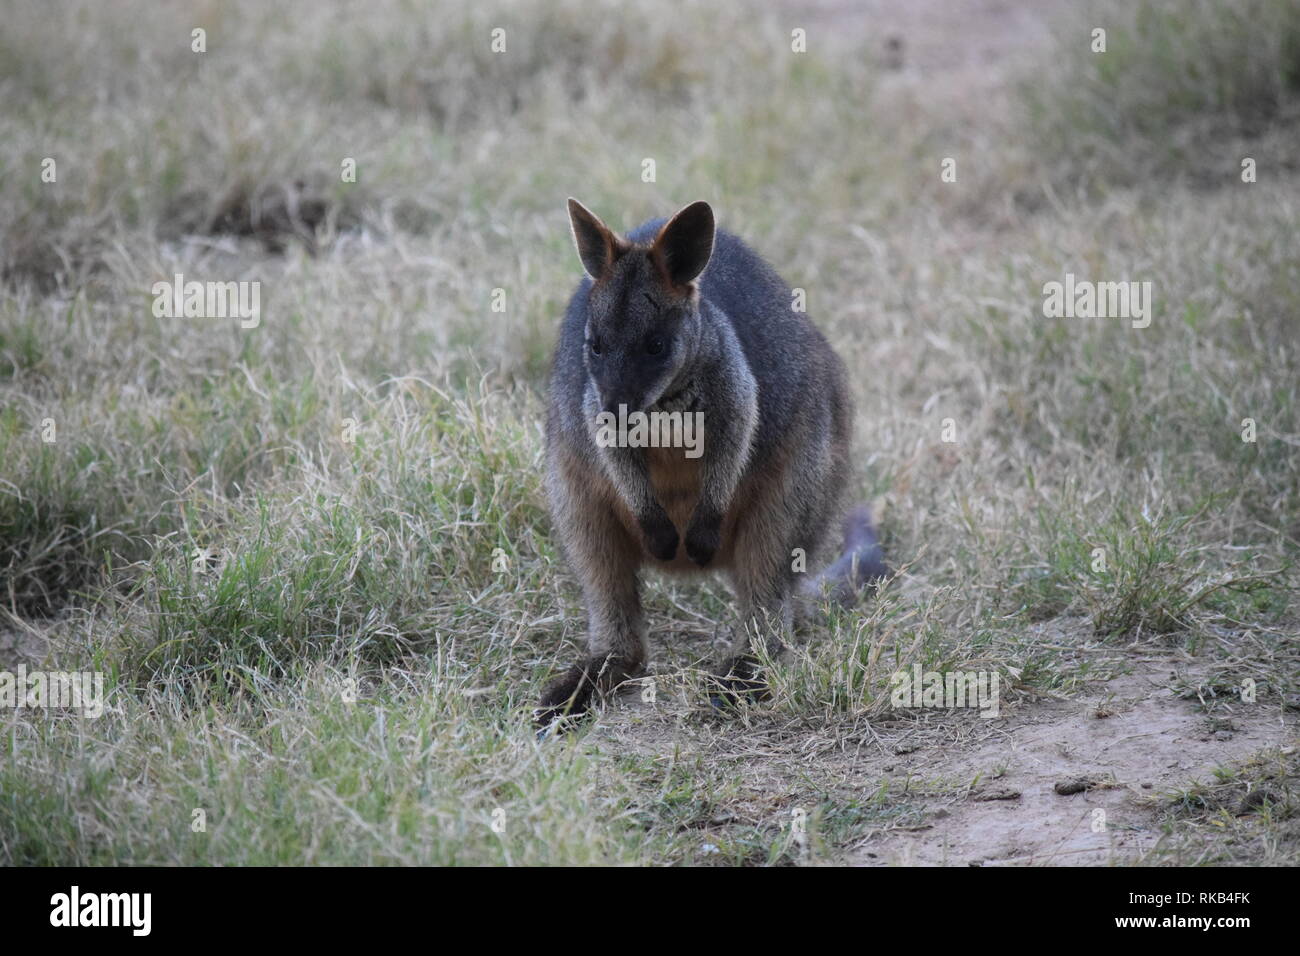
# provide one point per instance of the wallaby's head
(643, 311)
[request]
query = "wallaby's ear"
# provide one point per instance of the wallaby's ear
(598, 247)
(685, 243)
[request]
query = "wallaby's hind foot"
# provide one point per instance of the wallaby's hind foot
(737, 678)
(572, 693)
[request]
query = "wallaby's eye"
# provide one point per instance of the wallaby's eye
(654, 344)
(594, 344)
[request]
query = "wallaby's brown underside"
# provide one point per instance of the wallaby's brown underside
(679, 316)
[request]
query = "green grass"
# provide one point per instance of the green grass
(1178, 86)
(361, 456)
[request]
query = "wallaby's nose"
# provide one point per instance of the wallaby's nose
(612, 401)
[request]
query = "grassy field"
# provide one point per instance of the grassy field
(350, 678)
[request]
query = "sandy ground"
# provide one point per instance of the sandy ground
(962, 790)
(1131, 736)
(951, 43)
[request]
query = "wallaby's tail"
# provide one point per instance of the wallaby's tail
(859, 566)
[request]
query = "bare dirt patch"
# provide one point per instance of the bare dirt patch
(925, 39)
(1086, 771)
(22, 642)
(949, 788)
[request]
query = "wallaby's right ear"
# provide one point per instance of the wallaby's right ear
(598, 247)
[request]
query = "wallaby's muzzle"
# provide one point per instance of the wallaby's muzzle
(634, 402)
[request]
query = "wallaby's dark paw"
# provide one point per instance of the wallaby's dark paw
(736, 679)
(568, 696)
(660, 536)
(571, 695)
(703, 538)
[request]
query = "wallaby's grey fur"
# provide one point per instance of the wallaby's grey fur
(679, 316)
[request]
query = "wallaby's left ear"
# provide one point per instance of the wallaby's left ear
(685, 243)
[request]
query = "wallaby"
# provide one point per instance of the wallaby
(680, 317)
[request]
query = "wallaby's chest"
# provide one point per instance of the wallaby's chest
(675, 479)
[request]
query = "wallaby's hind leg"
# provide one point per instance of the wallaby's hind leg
(606, 558)
(763, 581)
(740, 672)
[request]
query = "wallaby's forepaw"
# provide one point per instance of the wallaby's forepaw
(660, 536)
(572, 693)
(736, 679)
(703, 538)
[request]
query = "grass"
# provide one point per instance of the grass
(1246, 814)
(351, 680)
(1178, 87)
